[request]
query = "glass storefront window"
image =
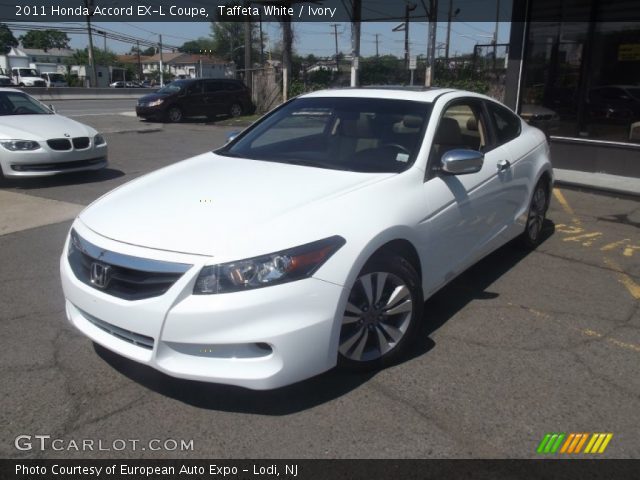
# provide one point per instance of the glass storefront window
(582, 78)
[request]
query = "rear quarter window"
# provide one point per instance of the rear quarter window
(505, 123)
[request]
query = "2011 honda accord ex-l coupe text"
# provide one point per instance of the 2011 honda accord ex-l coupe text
(309, 240)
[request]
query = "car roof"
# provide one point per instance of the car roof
(420, 94)
(3, 89)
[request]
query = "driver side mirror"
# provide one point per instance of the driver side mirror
(52, 108)
(462, 162)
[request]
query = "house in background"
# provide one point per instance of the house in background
(187, 65)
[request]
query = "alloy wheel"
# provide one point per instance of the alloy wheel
(175, 115)
(236, 110)
(376, 318)
(537, 213)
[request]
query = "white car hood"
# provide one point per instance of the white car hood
(211, 204)
(41, 127)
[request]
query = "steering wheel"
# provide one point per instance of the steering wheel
(397, 146)
(21, 110)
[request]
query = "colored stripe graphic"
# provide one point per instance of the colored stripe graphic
(573, 443)
(551, 442)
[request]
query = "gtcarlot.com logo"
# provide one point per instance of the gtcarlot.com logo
(574, 443)
(47, 442)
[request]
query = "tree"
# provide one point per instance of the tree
(201, 45)
(228, 41)
(45, 39)
(7, 40)
(147, 52)
(101, 57)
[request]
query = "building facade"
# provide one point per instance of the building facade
(578, 62)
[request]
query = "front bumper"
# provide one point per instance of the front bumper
(150, 112)
(259, 339)
(46, 161)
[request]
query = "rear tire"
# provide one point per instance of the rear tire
(383, 311)
(235, 110)
(532, 235)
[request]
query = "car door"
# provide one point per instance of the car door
(520, 150)
(191, 102)
(215, 97)
(463, 213)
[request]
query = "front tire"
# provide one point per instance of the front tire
(532, 235)
(383, 311)
(174, 115)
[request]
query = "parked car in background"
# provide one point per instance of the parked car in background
(35, 141)
(325, 226)
(119, 84)
(26, 77)
(201, 97)
(614, 103)
(540, 117)
(54, 79)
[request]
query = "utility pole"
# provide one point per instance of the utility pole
(408, 8)
(446, 50)
(432, 13)
(139, 63)
(335, 34)
(92, 63)
(495, 35)
(355, 41)
(261, 42)
(247, 52)
(377, 35)
(161, 65)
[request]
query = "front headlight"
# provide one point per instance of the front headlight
(99, 140)
(155, 103)
(280, 267)
(20, 145)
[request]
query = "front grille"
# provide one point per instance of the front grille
(126, 277)
(80, 142)
(39, 83)
(46, 167)
(126, 335)
(59, 144)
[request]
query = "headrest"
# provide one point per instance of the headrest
(472, 124)
(448, 132)
(411, 121)
(359, 128)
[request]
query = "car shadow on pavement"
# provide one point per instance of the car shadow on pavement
(75, 178)
(335, 383)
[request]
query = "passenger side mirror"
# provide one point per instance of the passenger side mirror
(232, 135)
(462, 162)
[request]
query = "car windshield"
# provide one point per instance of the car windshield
(355, 134)
(56, 77)
(27, 72)
(173, 87)
(634, 91)
(16, 103)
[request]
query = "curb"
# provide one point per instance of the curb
(612, 191)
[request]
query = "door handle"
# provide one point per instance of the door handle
(504, 165)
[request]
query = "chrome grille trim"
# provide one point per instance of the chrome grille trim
(125, 261)
(126, 335)
(127, 277)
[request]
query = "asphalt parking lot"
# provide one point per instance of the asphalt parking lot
(521, 345)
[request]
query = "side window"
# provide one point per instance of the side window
(506, 124)
(212, 87)
(461, 127)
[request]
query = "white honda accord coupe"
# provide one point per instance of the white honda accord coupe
(309, 240)
(35, 141)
